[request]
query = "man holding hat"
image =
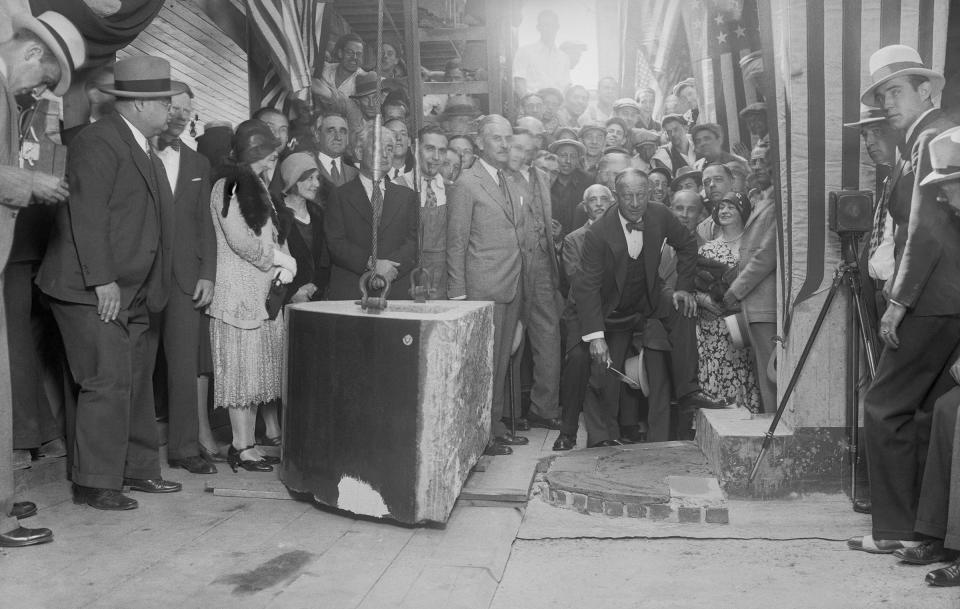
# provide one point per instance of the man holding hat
(107, 267)
(678, 151)
(938, 510)
(43, 52)
(194, 269)
(921, 326)
(570, 183)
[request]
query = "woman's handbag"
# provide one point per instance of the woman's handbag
(276, 297)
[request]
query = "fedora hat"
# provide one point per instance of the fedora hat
(61, 37)
(142, 77)
(686, 172)
(944, 157)
(365, 84)
(868, 114)
(897, 60)
(636, 373)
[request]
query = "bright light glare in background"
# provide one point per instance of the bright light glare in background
(578, 21)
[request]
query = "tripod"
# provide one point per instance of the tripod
(862, 333)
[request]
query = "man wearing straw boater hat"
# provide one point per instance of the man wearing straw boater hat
(106, 268)
(43, 52)
(921, 326)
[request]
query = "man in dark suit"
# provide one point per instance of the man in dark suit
(332, 134)
(619, 288)
(106, 268)
(938, 510)
(484, 262)
(351, 214)
(921, 326)
(194, 270)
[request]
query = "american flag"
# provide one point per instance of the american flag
(818, 53)
(655, 41)
(287, 33)
(725, 31)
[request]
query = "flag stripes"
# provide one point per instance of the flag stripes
(820, 67)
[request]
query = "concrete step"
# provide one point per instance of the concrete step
(667, 481)
(797, 460)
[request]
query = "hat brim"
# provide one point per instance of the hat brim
(567, 142)
(176, 89)
(696, 175)
(936, 177)
(936, 79)
(26, 21)
(866, 121)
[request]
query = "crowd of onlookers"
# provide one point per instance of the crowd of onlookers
(630, 252)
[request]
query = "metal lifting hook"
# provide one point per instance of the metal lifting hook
(372, 281)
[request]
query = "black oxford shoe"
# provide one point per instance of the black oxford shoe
(495, 449)
(511, 440)
(565, 442)
(946, 577)
(21, 536)
(926, 553)
(103, 498)
(24, 509)
(195, 465)
(862, 506)
(698, 399)
(152, 485)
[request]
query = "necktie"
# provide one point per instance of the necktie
(162, 143)
(396, 174)
(376, 202)
(431, 195)
(635, 226)
(505, 191)
(334, 172)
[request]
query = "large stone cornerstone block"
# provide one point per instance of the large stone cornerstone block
(385, 415)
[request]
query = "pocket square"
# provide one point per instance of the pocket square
(196, 179)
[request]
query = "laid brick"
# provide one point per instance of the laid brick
(595, 505)
(688, 514)
(717, 515)
(659, 511)
(613, 508)
(635, 510)
(579, 501)
(559, 497)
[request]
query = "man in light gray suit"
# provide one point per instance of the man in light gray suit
(484, 262)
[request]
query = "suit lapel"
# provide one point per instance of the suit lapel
(490, 185)
(356, 196)
(617, 242)
(140, 158)
(390, 205)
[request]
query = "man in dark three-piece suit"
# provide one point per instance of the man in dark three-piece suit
(619, 288)
(108, 266)
(350, 216)
(921, 326)
(484, 261)
(194, 268)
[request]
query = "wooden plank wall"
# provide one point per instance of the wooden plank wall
(201, 56)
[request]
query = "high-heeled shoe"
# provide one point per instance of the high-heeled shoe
(234, 459)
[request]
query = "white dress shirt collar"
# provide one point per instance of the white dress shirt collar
(634, 238)
(912, 128)
(493, 171)
(137, 135)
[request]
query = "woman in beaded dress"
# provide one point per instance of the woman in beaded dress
(726, 371)
(248, 346)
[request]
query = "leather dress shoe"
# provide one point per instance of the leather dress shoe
(698, 399)
(538, 421)
(522, 424)
(21, 536)
(862, 506)
(495, 449)
(195, 465)
(565, 442)
(23, 509)
(216, 456)
(633, 434)
(511, 440)
(926, 553)
(605, 444)
(103, 498)
(945, 577)
(152, 485)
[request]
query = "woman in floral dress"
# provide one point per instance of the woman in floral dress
(726, 371)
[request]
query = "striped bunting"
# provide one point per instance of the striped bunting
(820, 55)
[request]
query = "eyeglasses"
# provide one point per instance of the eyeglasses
(164, 102)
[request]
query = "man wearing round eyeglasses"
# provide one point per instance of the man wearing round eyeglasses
(194, 269)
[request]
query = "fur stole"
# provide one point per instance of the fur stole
(256, 205)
